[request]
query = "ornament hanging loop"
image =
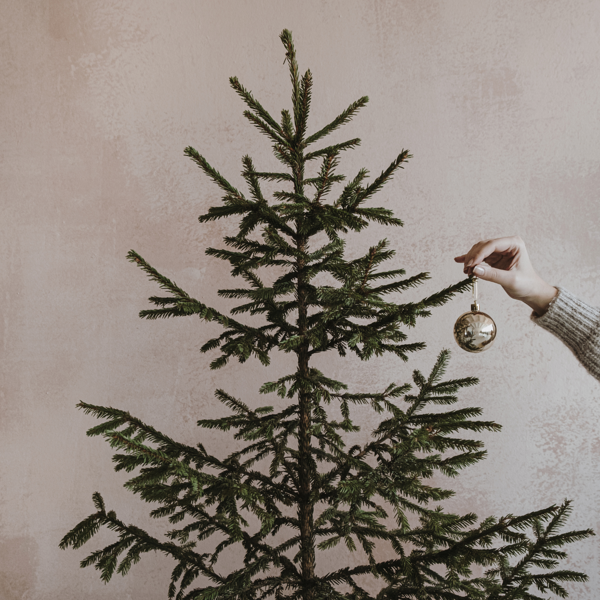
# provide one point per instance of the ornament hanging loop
(475, 304)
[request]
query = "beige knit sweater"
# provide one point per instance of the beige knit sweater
(578, 325)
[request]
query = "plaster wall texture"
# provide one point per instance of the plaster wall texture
(499, 103)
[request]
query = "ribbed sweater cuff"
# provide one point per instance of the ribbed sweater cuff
(577, 324)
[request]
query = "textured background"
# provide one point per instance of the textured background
(498, 102)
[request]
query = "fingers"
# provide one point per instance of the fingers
(460, 259)
(509, 246)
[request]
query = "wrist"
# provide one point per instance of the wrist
(540, 300)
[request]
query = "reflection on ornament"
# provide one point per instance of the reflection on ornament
(474, 331)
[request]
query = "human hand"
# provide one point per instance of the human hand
(507, 263)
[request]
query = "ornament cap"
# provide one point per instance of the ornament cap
(474, 307)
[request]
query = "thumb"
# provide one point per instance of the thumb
(488, 273)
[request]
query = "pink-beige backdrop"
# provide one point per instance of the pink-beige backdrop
(499, 103)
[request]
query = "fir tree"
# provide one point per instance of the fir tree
(307, 490)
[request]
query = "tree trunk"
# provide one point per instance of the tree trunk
(305, 508)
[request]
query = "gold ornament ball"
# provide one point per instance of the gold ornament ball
(474, 331)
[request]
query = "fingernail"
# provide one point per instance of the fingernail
(479, 270)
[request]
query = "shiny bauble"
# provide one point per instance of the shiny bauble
(474, 331)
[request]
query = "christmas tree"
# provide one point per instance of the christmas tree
(296, 490)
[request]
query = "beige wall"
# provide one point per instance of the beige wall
(499, 103)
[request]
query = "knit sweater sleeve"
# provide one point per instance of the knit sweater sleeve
(577, 325)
